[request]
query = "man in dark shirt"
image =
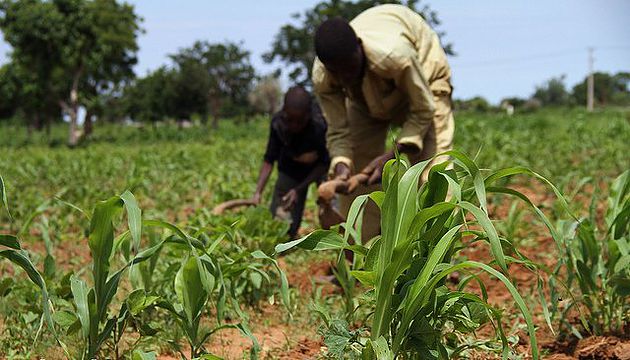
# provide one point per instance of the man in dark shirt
(297, 142)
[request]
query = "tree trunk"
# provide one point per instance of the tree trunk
(72, 109)
(87, 124)
(214, 103)
(215, 122)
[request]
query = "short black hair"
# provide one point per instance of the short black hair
(335, 41)
(297, 98)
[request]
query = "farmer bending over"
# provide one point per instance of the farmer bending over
(384, 67)
(297, 141)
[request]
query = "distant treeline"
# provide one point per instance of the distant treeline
(609, 90)
(73, 59)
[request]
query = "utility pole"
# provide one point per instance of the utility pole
(590, 83)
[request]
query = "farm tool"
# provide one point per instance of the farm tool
(232, 204)
(328, 215)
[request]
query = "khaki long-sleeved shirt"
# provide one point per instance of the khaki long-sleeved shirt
(405, 66)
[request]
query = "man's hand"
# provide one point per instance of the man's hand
(289, 200)
(375, 168)
(342, 171)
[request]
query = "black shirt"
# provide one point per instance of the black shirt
(286, 148)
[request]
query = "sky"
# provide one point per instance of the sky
(504, 48)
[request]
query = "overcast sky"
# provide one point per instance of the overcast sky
(504, 48)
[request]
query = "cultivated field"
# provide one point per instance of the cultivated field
(129, 262)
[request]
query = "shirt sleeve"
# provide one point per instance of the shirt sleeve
(332, 101)
(272, 154)
(322, 151)
(411, 81)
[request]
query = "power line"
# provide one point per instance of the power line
(541, 56)
(536, 57)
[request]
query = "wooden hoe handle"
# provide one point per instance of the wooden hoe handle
(231, 204)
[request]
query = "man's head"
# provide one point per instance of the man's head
(339, 49)
(297, 109)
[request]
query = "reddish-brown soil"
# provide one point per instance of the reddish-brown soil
(281, 338)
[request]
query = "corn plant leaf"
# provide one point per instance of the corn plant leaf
(520, 170)
(19, 258)
(65, 319)
(189, 289)
(134, 218)
(472, 169)
(426, 214)
(525, 199)
(488, 227)
(166, 225)
(436, 186)
(29, 220)
(10, 241)
(416, 306)
(74, 207)
(122, 242)
(354, 221)
(399, 209)
(80, 295)
(101, 242)
(622, 264)
(284, 282)
(3, 197)
(377, 197)
(617, 198)
(545, 306)
(141, 355)
(621, 223)
(411, 303)
(372, 255)
(208, 357)
(381, 349)
(367, 278)
(317, 240)
(105, 334)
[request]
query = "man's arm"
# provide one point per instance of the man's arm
(332, 102)
(411, 81)
(291, 196)
(272, 153)
(263, 177)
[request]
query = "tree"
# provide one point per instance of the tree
(552, 92)
(35, 30)
(293, 44)
(77, 48)
(515, 101)
(609, 89)
(266, 95)
(151, 98)
(8, 92)
(477, 104)
(229, 73)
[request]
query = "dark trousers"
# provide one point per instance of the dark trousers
(283, 185)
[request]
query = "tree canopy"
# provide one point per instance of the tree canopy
(203, 79)
(65, 53)
(609, 89)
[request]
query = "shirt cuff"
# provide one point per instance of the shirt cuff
(414, 140)
(336, 160)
